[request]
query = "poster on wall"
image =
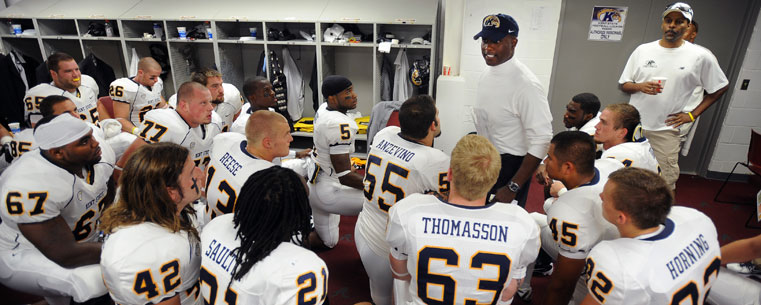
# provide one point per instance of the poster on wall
(607, 23)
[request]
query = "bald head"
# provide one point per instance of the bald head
(148, 63)
(148, 71)
(194, 103)
(268, 135)
(261, 124)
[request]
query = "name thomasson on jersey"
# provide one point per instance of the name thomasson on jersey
(464, 228)
(396, 151)
(688, 256)
(221, 255)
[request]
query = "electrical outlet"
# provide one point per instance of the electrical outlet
(744, 85)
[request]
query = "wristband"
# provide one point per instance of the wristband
(399, 274)
(691, 117)
(5, 139)
(343, 173)
(116, 167)
(135, 130)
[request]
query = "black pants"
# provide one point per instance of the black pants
(510, 166)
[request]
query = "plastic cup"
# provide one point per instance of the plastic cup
(661, 81)
(16, 29)
(182, 32)
(252, 31)
(15, 127)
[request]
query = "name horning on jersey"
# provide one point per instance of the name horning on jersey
(687, 257)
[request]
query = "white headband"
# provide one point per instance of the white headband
(60, 131)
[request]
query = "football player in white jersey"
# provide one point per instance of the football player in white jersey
(400, 162)
(582, 113)
(193, 124)
(67, 81)
(258, 91)
(337, 188)
(134, 96)
(666, 255)
(48, 235)
(617, 131)
(253, 256)
(574, 222)
(234, 157)
(151, 254)
(735, 288)
(462, 250)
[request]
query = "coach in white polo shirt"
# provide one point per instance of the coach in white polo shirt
(511, 109)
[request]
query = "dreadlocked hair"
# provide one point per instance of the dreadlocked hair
(143, 195)
(272, 208)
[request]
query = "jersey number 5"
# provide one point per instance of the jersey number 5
(386, 186)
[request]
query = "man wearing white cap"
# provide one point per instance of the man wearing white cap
(67, 81)
(48, 235)
(661, 76)
(511, 109)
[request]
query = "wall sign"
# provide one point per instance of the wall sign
(607, 23)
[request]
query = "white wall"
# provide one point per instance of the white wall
(744, 112)
(538, 23)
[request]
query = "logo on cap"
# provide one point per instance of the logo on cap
(491, 20)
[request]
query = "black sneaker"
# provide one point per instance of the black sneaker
(543, 269)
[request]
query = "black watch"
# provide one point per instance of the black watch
(514, 187)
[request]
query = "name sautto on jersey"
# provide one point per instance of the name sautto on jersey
(221, 255)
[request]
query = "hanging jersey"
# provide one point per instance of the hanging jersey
(146, 264)
(637, 154)
(334, 134)
(457, 253)
(289, 275)
(84, 98)
(575, 218)
(231, 165)
(140, 98)
(678, 262)
(79, 201)
(396, 168)
(166, 125)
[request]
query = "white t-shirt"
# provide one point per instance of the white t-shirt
(146, 264)
(85, 98)
(480, 248)
(663, 267)
(140, 99)
(231, 165)
(637, 154)
(334, 134)
(289, 275)
(79, 201)
(396, 168)
(686, 68)
(512, 111)
(166, 125)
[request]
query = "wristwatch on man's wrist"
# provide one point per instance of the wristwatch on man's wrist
(514, 187)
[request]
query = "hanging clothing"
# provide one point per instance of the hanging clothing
(261, 67)
(13, 87)
(279, 85)
(402, 83)
(294, 85)
(133, 64)
(379, 117)
(100, 71)
(313, 86)
(387, 78)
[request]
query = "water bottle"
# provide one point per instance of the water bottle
(109, 29)
(207, 27)
(157, 31)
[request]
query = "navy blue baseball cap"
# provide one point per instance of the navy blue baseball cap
(496, 27)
